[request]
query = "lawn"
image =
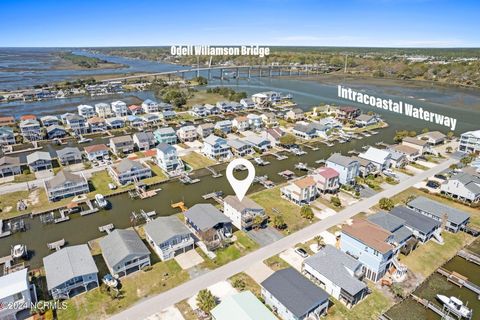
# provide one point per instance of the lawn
(202, 97)
(97, 305)
(186, 310)
(371, 307)
(250, 284)
(429, 257)
(99, 182)
(157, 174)
(197, 161)
(276, 263)
(273, 204)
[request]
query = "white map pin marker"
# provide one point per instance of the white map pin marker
(240, 186)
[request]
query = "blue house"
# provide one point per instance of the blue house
(165, 135)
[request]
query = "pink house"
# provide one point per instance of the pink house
(327, 180)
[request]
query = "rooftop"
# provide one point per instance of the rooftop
(369, 234)
(121, 244)
(164, 228)
(205, 216)
(242, 306)
(438, 210)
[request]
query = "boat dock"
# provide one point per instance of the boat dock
(185, 179)
(287, 174)
(459, 280)
(180, 205)
(57, 245)
(469, 256)
(280, 156)
(216, 195)
(106, 228)
(263, 180)
(215, 174)
(91, 209)
(427, 304)
(260, 161)
(3, 233)
(320, 161)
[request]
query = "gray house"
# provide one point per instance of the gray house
(39, 160)
(69, 155)
(56, 131)
(453, 219)
(70, 271)
(396, 226)
(124, 252)
(169, 237)
(66, 184)
(143, 140)
(9, 166)
(463, 187)
(339, 274)
(347, 167)
(122, 144)
(294, 297)
(423, 227)
(129, 170)
(7, 136)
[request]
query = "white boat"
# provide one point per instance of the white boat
(83, 140)
(18, 251)
(456, 306)
(111, 186)
(101, 201)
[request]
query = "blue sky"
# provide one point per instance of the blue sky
(380, 23)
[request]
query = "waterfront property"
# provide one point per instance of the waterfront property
(294, 297)
(96, 152)
(326, 179)
(124, 252)
(365, 120)
(7, 121)
(70, 271)
(301, 191)
(7, 136)
(433, 137)
(76, 123)
(469, 142)
(463, 187)
(295, 114)
(167, 159)
(244, 214)
(128, 170)
(15, 288)
(103, 110)
(150, 106)
(423, 227)
(69, 155)
(239, 147)
(55, 131)
(348, 113)
(30, 130)
(205, 129)
(402, 236)
(122, 144)
(412, 154)
(209, 224)
(310, 131)
(347, 167)
(135, 109)
(86, 111)
(274, 135)
(187, 133)
(119, 108)
(339, 274)
(259, 143)
(9, 166)
(421, 145)
(453, 219)
(39, 160)
(380, 158)
(66, 184)
(241, 306)
(224, 125)
(97, 124)
(165, 135)
(168, 237)
(115, 123)
(216, 148)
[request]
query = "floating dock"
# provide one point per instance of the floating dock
(106, 228)
(459, 280)
(216, 195)
(180, 205)
(433, 307)
(57, 245)
(215, 174)
(185, 179)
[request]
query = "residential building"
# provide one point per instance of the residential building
(119, 108)
(76, 123)
(402, 238)
(127, 171)
(163, 106)
(96, 152)
(421, 145)
(212, 110)
(348, 113)
(56, 132)
(330, 123)
(66, 184)
(168, 237)
(144, 140)
(124, 252)
(422, 227)
(28, 117)
(165, 135)
(151, 118)
(269, 119)
(397, 159)
(327, 180)
(225, 106)
(187, 133)
(259, 143)
(135, 121)
(365, 120)
(452, 219)
(365, 167)
(69, 155)
(380, 158)
(86, 111)
(7, 121)
(433, 137)
(97, 124)
(48, 121)
(240, 148)
(469, 142)
(15, 290)
(39, 160)
(243, 213)
(241, 123)
(210, 225)
(255, 122)
(135, 109)
(347, 167)
(295, 114)
(150, 106)
(301, 191)
(462, 187)
(115, 123)
(339, 274)
(168, 160)
(412, 154)
(103, 110)
(372, 246)
(216, 148)
(168, 115)
(241, 306)
(205, 129)
(7, 136)
(224, 125)
(310, 131)
(198, 110)
(247, 103)
(30, 130)
(9, 166)
(274, 135)
(122, 144)
(70, 271)
(293, 297)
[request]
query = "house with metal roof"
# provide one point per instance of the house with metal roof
(124, 252)
(347, 167)
(103, 110)
(69, 155)
(241, 306)
(208, 224)
(149, 106)
(422, 227)
(39, 160)
(239, 147)
(66, 184)
(16, 288)
(9, 166)
(453, 219)
(463, 187)
(168, 160)
(243, 213)
(86, 111)
(119, 108)
(339, 274)
(310, 131)
(128, 170)
(258, 142)
(198, 110)
(122, 144)
(294, 297)
(70, 271)
(168, 237)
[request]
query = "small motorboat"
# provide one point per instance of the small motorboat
(110, 281)
(101, 201)
(19, 251)
(456, 306)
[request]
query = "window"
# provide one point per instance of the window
(17, 296)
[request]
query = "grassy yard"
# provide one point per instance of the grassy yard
(273, 204)
(202, 97)
(197, 161)
(186, 310)
(99, 182)
(24, 177)
(250, 284)
(371, 307)
(429, 257)
(157, 174)
(276, 263)
(98, 305)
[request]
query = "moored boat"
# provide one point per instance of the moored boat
(456, 306)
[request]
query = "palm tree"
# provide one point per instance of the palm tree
(307, 212)
(319, 241)
(206, 301)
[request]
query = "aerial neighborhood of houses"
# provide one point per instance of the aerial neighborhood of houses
(134, 148)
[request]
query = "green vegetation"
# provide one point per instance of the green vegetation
(186, 310)
(197, 161)
(386, 204)
(399, 135)
(243, 282)
(307, 213)
(82, 61)
(157, 174)
(276, 263)
(203, 97)
(288, 139)
(228, 93)
(335, 201)
(206, 301)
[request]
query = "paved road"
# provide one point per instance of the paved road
(155, 304)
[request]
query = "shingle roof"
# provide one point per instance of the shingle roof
(304, 182)
(415, 220)
(386, 221)
(375, 155)
(340, 159)
(438, 209)
(369, 234)
(165, 147)
(246, 203)
(67, 150)
(9, 161)
(205, 216)
(62, 177)
(415, 141)
(127, 165)
(471, 182)
(68, 263)
(294, 291)
(164, 228)
(38, 155)
(121, 139)
(333, 264)
(122, 244)
(95, 148)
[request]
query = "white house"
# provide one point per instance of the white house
(168, 160)
(463, 187)
(119, 108)
(15, 291)
(347, 167)
(103, 110)
(187, 133)
(150, 106)
(127, 171)
(301, 191)
(241, 123)
(86, 111)
(470, 142)
(243, 213)
(380, 158)
(216, 148)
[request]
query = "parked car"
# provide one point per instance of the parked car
(433, 184)
(301, 252)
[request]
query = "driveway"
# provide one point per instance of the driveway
(367, 192)
(265, 236)
(170, 313)
(259, 272)
(188, 259)
(221, 290)
(292, 258)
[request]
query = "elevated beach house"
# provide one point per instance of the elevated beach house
(243, 213)
(66, 184)
(15, 288)
(128, 170)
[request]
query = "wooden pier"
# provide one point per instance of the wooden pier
(433, 307)
(217, 196)
(91, 209)
(215, 174)
(280, 156)
(459, 280)
(180, 205)
(469, 256)
(63, 216)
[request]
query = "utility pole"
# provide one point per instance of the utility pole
(346, 62)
